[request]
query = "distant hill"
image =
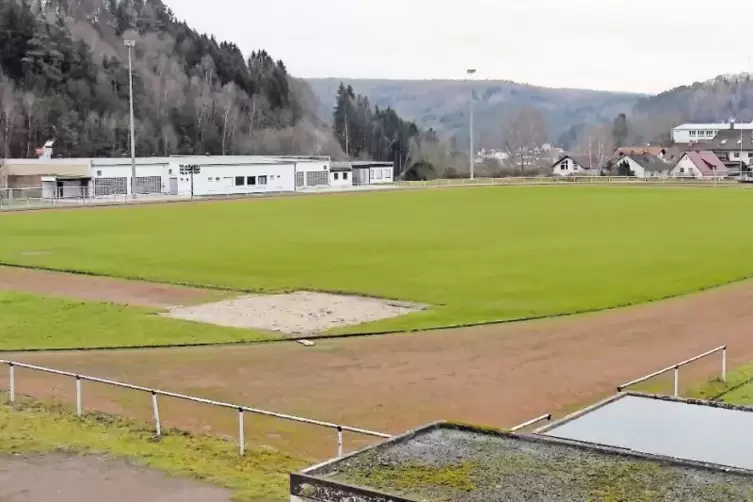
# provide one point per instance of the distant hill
(718, 99)
(443, 104)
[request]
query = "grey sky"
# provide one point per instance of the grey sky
(631, 45)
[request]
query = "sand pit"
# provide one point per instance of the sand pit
(70, 478)
(301, 313)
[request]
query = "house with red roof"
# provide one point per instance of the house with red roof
(700, 165)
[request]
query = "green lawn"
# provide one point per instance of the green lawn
(32, 322)
(738, 389)
(477, 254)
(262, 475)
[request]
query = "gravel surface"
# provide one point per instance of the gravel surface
(446, 464)
(61, 478)
(300, 313)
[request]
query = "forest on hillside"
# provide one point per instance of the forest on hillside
(64, 76)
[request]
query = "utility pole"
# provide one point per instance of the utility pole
(470, 72)
(131, 44)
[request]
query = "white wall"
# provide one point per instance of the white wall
(686, 168)
(121, 168)
(745, 156)
(316, 166)
(341, 179)
(566, 167)
(219, 179)
(379, 175)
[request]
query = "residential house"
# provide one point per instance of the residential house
(571, 165)
(699, 164)
(734, 147)
(641, 165)
(655, 151)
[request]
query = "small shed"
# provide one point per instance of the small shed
(372, 172)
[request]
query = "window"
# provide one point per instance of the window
(169, 171)
(378, 174)
(217, 179)
(262, 180)
(251, 180)
(210, 179)
(336, 176)
(692, 134)
(317, 178)
(345, 176)
(99, 173)
(710, 134)
(239, 181)
(387, 173)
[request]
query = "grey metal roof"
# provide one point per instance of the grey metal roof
(728, 140)
(688, 429)
(460, 463)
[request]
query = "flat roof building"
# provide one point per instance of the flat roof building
(630, 448)
(691, 133)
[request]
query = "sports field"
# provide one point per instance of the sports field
(476, 255)
(472, 255)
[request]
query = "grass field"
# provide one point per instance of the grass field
(738, 389)
(34, 428)
(477, 255)
(33, 322)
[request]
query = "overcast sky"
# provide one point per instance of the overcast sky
(626, 45)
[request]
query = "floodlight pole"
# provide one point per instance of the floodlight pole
(131, 44)
(471, 155)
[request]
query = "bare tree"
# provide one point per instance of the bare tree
(8, 112)
(228, 103)
(524, 134)
(597, 145)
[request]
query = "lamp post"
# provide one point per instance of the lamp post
(469, 73)
(131, 44)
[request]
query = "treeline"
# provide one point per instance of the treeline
(375, 133)
(64, 76)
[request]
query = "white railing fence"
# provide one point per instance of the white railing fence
(676, 369)
(564, 180)
(12, 365)
(531, 422)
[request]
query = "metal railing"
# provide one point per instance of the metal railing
(565, 180)
(12, 365)
(676, 369)
(531, 422)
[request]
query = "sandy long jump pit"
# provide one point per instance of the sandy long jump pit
(300, 313)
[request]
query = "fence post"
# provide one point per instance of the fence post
(339, 441)
(155, 408)
(12, 389)
(241, 433)
(724, 364)
(677, 381)
(78, 395)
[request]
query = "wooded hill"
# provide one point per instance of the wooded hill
(64, 76)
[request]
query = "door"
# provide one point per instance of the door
(173, 186)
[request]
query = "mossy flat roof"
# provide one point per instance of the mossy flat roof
(459, 463)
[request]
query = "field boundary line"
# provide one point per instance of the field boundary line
(79, 378)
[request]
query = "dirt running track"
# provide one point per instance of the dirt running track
(102, 289)
(498, 375)
(80, 479)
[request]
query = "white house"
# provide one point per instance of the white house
(700, 165)
(341, 174)
(574, 165)
(642, 166)
(691, 133)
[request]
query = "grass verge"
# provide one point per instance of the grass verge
(32, 322)
(32, 427)
(738, 389)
